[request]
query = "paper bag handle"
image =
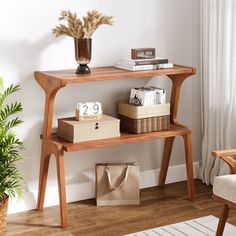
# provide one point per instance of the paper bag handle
(122, 182)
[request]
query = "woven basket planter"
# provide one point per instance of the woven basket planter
(3, 212)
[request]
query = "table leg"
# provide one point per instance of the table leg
(62, 188)
(165, 160)
(222, 220)
(189, 164)
(43, 175)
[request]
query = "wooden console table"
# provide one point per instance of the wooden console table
(52, 81)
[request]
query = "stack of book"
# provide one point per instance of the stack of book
(143, 59)
(144, 96)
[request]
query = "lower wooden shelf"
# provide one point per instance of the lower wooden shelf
(175, 130)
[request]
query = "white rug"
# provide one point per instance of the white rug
(197, 227)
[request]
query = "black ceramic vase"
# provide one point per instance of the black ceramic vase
(83, 51)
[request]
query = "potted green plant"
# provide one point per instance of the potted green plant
(81, 31)
(11, 179)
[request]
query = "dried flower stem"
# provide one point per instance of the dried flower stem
(76, 28)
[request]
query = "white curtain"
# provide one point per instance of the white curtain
(218, 63)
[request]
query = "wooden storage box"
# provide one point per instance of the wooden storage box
(144, 125)
(79, 131)
(139, 112)
(144, 119)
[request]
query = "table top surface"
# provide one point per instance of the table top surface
(109, 73)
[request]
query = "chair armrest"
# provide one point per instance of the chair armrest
(222, 153)
(226, 156)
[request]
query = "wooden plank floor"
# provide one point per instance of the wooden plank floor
(158, 207)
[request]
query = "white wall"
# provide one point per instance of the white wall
(27, 44)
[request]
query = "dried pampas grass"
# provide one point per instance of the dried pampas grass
(81, 29)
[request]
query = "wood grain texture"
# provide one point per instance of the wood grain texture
(222, 221)
(189, 165)
(62, 189)
(226, 156)
(222, 153)
(65, 77)
(159, 206)
(57, 150)
(52, 81)
(165, 160)
(43, 175)
(125, 137)
(177, 81)
(231, 163)
(230, 204)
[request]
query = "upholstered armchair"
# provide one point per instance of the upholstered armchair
(224, 187)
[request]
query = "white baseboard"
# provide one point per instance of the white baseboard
(86, 190)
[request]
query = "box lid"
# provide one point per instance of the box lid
(72, 121)
(138, 112)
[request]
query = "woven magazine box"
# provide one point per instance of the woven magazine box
(144, 119)
(75, 131)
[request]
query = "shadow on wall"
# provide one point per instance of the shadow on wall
(24, 58)
(23, 55)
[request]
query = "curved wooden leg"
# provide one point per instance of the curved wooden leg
(165, 160)
(62, 188)
(222, 220)
(189, 165)
(43, 174)
(47, 150)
